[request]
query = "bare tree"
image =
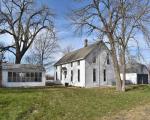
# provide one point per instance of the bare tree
(23, 21)
(43, 49)
(67, 49)
(111, 18)
(2, 52)
(134, 15)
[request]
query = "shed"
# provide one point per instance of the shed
(137, 73)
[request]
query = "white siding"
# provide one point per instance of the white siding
(74, 68)
(130, 77)
(100, 65)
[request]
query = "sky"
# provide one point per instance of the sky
(64, 29)
(65, 33)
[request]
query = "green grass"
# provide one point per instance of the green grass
(68, 103)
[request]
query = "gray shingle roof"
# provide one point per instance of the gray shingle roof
(135, 68)
(78, 54)
(22, 67)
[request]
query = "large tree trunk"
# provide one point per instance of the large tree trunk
(115, 64)
(116, 69)
(123, 70)
(18, 57)
(117, 74)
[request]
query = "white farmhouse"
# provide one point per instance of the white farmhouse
(89, 66)
(21, 75)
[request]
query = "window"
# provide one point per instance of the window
(14, 77)
(94, 59)
(24, 77)
(36, 76)
(28, 75)
(10, 76)
(94, 75)
(61, 73)
(65, 72)
(78, 62)
(104, 72)
(78, 75)
(108, 62)
(56, 75)
(71, 75)
(71, 64)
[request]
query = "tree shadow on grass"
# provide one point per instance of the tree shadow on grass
(137, 87)
(30, 89)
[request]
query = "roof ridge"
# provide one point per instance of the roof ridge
(82, 48)
(78, 54)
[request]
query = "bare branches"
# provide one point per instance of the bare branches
(67, 49)
(118, 20)
(23, 21)
(43, 49)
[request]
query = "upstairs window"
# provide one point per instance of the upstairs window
(78, 62)
(108, 61)
(71, 64)
(94, 60)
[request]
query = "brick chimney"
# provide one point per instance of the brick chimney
(85, 42)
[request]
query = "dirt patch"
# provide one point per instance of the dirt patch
(138, 113)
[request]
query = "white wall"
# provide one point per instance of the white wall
(100, 65)
(5, 82)
(75, 68)
(131, 77)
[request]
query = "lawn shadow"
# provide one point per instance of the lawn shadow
(136, 87)
(30, 89)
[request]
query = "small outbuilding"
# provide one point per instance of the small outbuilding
(21, 75)
(137, 73)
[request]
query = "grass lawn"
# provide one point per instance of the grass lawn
(68, 103)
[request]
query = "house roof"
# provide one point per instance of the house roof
(135, 68)
(22, 67)
(78, 54)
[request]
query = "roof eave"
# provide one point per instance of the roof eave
(68, 62)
